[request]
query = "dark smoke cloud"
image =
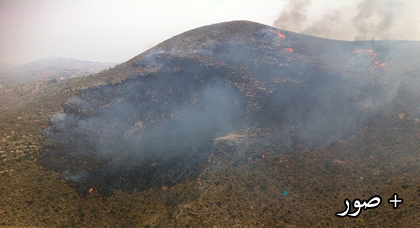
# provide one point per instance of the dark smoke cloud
(368, 20)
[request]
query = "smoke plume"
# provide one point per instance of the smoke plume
(368, 20)
(293, 16)
(374, 19)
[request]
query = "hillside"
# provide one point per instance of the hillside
(233, 124)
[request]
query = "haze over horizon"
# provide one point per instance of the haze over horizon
(116, 31)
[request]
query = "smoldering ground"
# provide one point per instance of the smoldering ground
(142, 132)
(159, 128)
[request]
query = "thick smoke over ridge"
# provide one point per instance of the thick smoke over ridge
(368, 20)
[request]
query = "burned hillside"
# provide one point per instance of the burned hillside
(182, 98)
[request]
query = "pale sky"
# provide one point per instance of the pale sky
(116, 31)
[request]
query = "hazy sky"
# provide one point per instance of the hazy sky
(115, 31)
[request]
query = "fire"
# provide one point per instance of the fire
(282, 36)
(372, 55)
(90, 191)
(288, 49)
(367, 52)
(381, 65)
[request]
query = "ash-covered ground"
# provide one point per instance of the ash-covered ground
(160, 126)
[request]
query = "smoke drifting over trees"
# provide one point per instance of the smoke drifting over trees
(368, 20)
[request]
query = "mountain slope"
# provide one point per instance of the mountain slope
(158, 127)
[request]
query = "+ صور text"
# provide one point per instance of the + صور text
(373, 202)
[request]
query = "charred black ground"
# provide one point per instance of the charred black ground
(159, 126)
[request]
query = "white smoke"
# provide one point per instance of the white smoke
(365, 20)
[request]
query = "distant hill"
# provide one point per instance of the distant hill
(49, 68)
(6, 66)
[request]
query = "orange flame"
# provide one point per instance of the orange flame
(288, 49)
(282, 36)
(90, 191)
(367, 52)
(381, 65)
(373, 56)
